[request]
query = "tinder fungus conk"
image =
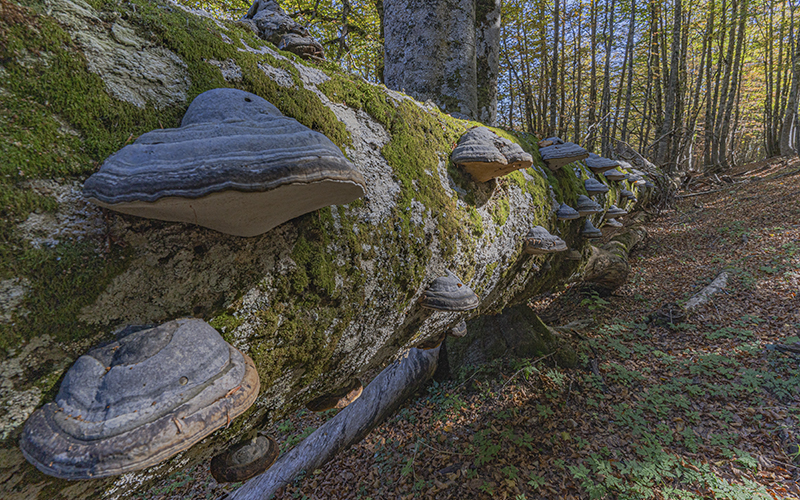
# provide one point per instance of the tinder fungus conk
(589, 231)
(139, 400)
(550, 141)
(235, 165)
(539, 241)
(486, 155)
(566, 212)
(615, 175)
(593, 186)
(459, 330)
(614, 211)
(627, 194)
(558, 155)
(613, 223)
(448, 293)
(245, 460)
(573, 255)
(587, 206)
(273, 24)
(598, 164)
(338, 399)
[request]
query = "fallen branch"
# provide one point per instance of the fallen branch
(380, 398)
(705, 294)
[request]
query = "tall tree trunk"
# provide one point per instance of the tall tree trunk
(652, 52)
(697, 98)
(605, 104)
(671, 94)
(708, 123)
(716, 151)
(592, 116)
(579, 69)
(790, 129)
(725, 130)
(629, 90)
(554, 74)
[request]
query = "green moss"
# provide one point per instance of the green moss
(501, 211)
(475, 221)
(490, 270)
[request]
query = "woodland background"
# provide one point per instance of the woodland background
(695, 86)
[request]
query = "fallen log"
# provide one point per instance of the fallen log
(608, 266)
(705, 294)
(380, 398)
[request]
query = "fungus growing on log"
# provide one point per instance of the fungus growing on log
(337, 399)
(550, 141)
(486, 155)
(587, 206)
(245, 460)
(235, 165)
(539, 241)
(460, 330)
(566, 212)
(558, 155)
(137, 401)
(598, 164)
(448, 293)
(574, 255)
(614, 211)
(627, 194)
(615, 175)
(272, 24)
(613, 223)
(593, 186)
(589, 231)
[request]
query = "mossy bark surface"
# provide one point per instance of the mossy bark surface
(608, 266)
(315, 302)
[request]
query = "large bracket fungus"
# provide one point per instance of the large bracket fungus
(566, 212)
(587, 206)
(539, 241)
(486, 155)
(236, 165)
(614, 211)
(272, 23)
(558, 155)
(589, 231)
(448, 293)
(593, 186)
(135, 402)
(615, 175)
(599, 164)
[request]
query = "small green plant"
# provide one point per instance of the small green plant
(594, 302)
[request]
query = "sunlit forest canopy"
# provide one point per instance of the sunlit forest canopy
(693, 85)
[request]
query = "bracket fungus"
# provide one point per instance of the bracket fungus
(593, 186)
(135, 402)
(587, 206)
(539, 241)
(338, 399)
(486, 155)
(614, 211)
(558, 155)
(613, 223)
(550, 141)
(566, 212)
(599, 164)
(627, 194)
(574, 255)
(245, 460)
(448, 293)
(615, 175)
(459, 330)
(273, 25)
(236, 165)
(589, 231)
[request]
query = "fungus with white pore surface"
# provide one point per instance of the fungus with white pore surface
(539, 241)
(485, 155)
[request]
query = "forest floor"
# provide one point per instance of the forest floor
(706, 408)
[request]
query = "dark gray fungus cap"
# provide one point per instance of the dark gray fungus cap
(539, 241)
(615, 175)
(459, 330)
(589, 231)
(587, 206)
(598, 164)
(566, 212)
(133, 403)
(245, 460)
(594, 186)
(448, 293)
(235, 165)
(486, 155)
(558, 155)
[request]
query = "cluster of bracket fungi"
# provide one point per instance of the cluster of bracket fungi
(238, 166)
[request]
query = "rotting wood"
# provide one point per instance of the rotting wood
(608, 267)
(380, 398)
(705, 294)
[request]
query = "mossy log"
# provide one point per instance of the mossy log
(608, 266)
(315, 302)
(380, 399)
